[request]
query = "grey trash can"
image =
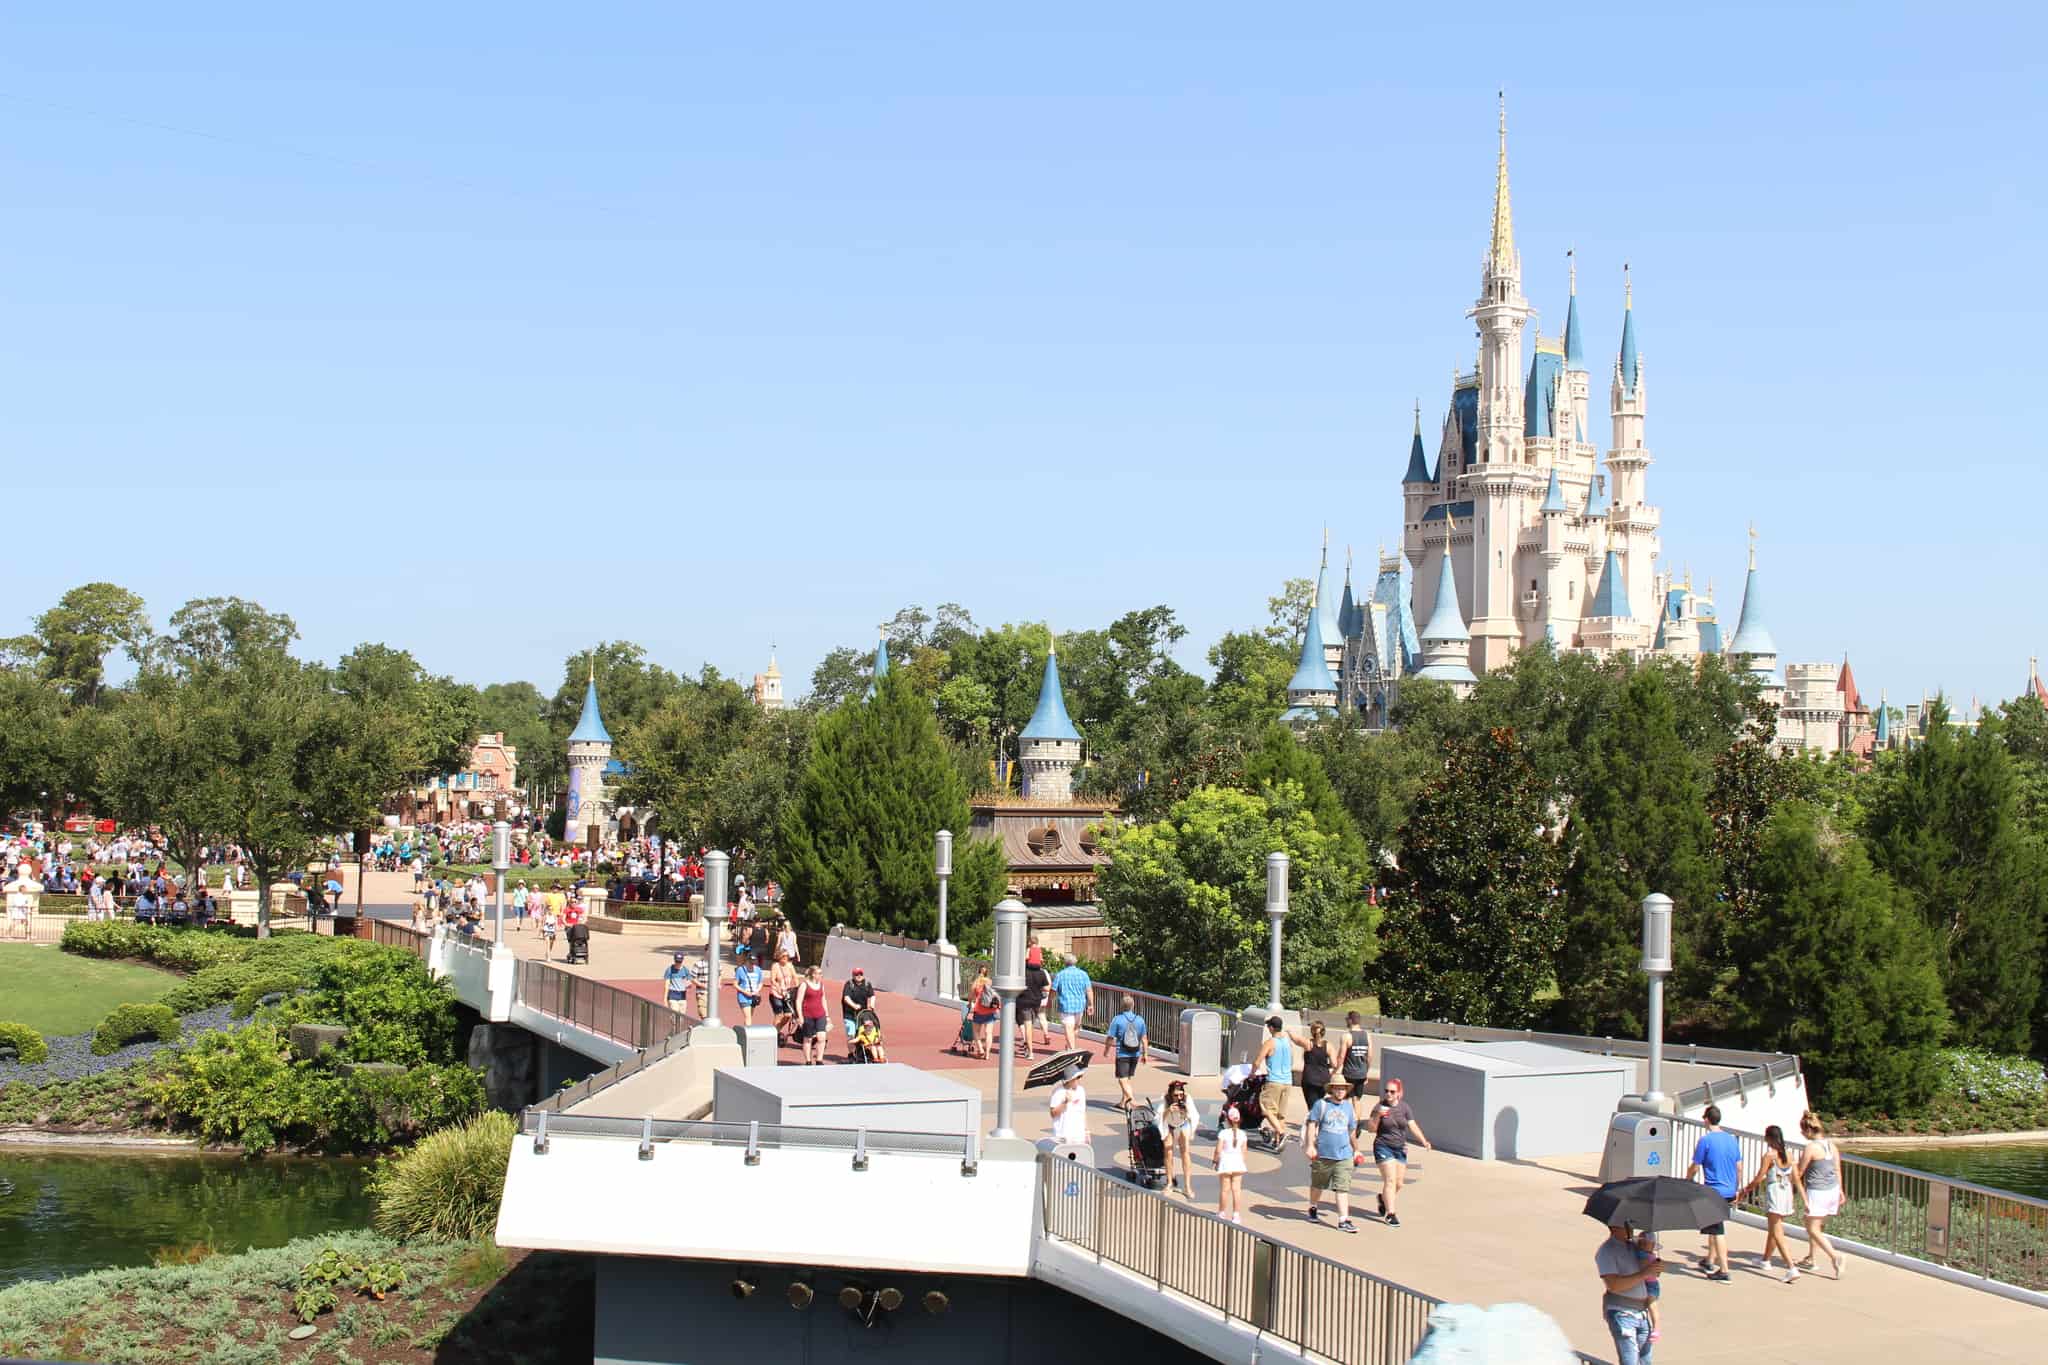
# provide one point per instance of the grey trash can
(1637, 1144)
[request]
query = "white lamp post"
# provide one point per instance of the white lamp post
(1013, 923)
(1276, 911)
(715, 866)
(1657, 965)
(501, 863)
(944, 859)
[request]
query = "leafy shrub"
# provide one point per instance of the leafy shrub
(393, 1010)
(448, 1187)
(29, 1047)
(321, 1280)
(253, 992)
(186, 950)
(112, 1099)
(1980, 1076)
(127, 1024)
(640, 911)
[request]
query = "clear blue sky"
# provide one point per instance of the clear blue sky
(711, 326)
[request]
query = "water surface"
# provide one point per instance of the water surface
(2021, 1167)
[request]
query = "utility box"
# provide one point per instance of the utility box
(887, 1098)
(1637, 1144)
(1200, 1044)
(1510, 1100)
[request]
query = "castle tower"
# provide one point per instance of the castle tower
(1328, 631)
(1049, 747)
(880, 670)
(2034, 686)
(768, 686)
(1557, 613)
(1881, 733)
(1311, 692)
(1627, 462)
(1577, 383)
(590, 749)
(1608, 625)
(1445, 640)
(1753, 650)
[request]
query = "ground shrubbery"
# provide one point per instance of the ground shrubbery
(132, 1023)
(29, 1047)
(644, 910)
(110, 1099)
(447, 1187)
(1979, 1092)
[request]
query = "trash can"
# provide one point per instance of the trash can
(1200, 1044)
(1637, 1144)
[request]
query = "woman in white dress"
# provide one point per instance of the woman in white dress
(1776, 1177)
(1230, 1146)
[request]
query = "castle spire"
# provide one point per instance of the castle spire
(590, 725)
(1501, 258)
(1574, 341)
(1751, 635)
(1418, 463)
(1628, 362)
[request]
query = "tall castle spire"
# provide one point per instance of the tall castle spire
(1501, 257)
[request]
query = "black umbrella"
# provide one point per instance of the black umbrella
(1053, 1069)
(1657, 1203)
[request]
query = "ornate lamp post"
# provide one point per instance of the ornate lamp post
(1657, 966)
(716, 865)
(1013, 924)
(944, 858)
(501, 863)
(1276, 911)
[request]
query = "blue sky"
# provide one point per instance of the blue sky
(492, 330)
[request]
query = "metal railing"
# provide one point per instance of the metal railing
(1993, 1234)
(1307, 1301)
(571, 1095)
(1576, 1042)
(1766, 1076)
(392, 934)
(619, 1015)
(542, 1124)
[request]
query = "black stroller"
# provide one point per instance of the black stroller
(579, 944)
(866, 1046)
(1243, 1091)
(1148, 1146)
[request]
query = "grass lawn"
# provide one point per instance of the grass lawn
(57, 993)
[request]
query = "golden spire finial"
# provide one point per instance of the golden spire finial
(1418, 411)
(1347, 563)
(593, 668)
(1503, 253)
(1752, 547)
(1628, 289)
(1571, 260)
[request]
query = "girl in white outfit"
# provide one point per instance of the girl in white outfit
(1777, 1177)
(1229, 1164)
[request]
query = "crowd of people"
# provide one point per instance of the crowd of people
(126, 871)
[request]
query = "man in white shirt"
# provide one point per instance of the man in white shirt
(1070, 1109)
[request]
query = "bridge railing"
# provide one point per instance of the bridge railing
(571, 1095)
(1992, 1234)
(619, 1015)
(392, 934)
(541, 1124)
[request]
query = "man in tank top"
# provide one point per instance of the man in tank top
(1357, 1052)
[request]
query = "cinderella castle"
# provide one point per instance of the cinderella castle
(1518, 532)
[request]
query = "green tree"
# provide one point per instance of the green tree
(674, 754)
(35, 730)
(856, 842)
(428, 722)
(1248, 680)
(211, 629)
(78, 633)
(1838, 970)
(1946, 831)
(1282, 757)
(756, 784)
(1750, 784)
(841, 674)
(1185, 899)
(1472, 915)
(1640, 825)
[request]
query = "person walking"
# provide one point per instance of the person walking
(550, 925)
(1031, 1005)
(746, 984)
(681, 984)
(984, 1007)
(1329, 1134)
(1820, 1179)
(1230, 1147)
(782, 985)
(1069, 1109)
(810, 1008)
(1625, 1274)
(856, 995)
(1127, 1035)
(1076, 994)
(520, 896)
(1717, 1164)
(1393, 1123)
(1177, 1123)
(1355, 1050)
(1776, 1177)
(1317, 1064)
(1276, 1060)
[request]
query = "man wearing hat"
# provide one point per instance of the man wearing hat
(681, 983)
(1332, 1124)
(1069, 1108)
(856, 995)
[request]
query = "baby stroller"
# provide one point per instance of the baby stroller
(867, 1038)
(1241, 1087)
(579, 943)
(1148, 1146)
(964, 1043)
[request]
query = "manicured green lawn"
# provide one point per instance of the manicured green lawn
(57, 994)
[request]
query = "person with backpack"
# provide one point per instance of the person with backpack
(1031, 1005)
(1127, 1034)
(984, 1008)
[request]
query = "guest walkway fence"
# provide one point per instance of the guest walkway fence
(1974, 1230)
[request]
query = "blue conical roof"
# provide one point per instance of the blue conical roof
(1612, 597)
(1050, 720)
(590, 725)
(1574, 344)
(1348, 622)
(1596, 498)
(881, 656)
(1418, 463)
(1751, 636)
(1884, 721)
(1326, 632)
(1312, 672)
(1445, 620)
(1553, 497)
(1628, 350)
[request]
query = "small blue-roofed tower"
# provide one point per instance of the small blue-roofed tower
(1446, 642)
(1049, 747)
(588, 805)
(1753, 650)
(1312, 691)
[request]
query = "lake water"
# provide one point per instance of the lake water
(63, 1213)
(2021, 1167)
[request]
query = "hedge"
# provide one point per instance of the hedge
(29, 1047)
(653, 911)
(127, 1024)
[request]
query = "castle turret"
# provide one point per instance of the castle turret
(1445, 640)
(1311, 692)
(1628, 462)
(1753, 650)
(590, 750)
(768, 686)
(1577, 384)
(1049, 747)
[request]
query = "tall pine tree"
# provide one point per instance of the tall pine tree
(1640, 825)
(857, 840)
(1472, 918)
(1946, 830)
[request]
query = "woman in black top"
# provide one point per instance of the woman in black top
(1316, 1064)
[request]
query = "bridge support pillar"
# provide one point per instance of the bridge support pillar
(501, 982)
(508, 1057)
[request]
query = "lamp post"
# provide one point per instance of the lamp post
(944, 859)
(715, 865)
(1013, 922)
(1276, 911)
(501, 863)
(1657, 966)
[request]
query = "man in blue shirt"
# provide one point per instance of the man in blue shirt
(1127, 1035)
(1332, 1123)
(1076, 994)
(1717, 1164)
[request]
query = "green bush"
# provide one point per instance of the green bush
(127, 1024)
(448, 1187)
(1984, 1077)
(111, 1099)
(29, 1047)
(185, 950)
(644, 911)
(393, 1010)
(253, 991)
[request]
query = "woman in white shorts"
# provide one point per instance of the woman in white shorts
(1820, 1176)
(1177, 1125)
(1229, 1164)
